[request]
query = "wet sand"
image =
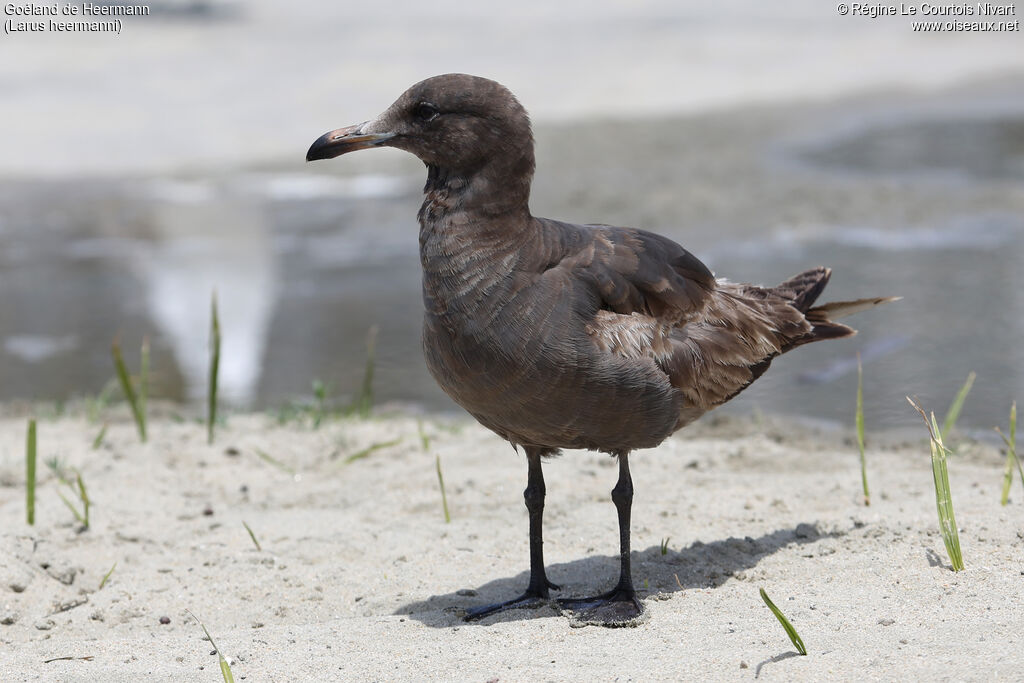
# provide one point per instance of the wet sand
(360, 578)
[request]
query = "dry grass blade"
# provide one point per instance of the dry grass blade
(30, 473)
(797, 641)
(860, 431)
(954, 409)
(211, 408)
(225, 668)
(86, 658)
(252, 536)
(943, 495)
(444, 497)
(1011, 455)
(129, 390)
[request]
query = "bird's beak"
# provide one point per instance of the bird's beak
(342, 140)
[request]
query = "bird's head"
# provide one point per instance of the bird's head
(454, 122)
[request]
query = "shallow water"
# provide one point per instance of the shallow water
(305, 263)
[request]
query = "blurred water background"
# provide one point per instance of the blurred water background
(142, 171)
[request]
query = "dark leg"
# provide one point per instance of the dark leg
(619, 606)
(536, 594)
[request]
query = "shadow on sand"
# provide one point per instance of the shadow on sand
(701, 565)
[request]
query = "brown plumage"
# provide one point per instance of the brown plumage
(556, 335)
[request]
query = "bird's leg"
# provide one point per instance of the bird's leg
(537, 592)
(619, 606)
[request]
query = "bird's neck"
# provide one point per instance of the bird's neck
(499, 187)
(472, 230)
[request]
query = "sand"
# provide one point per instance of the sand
(360, 578)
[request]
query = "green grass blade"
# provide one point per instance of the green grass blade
(129, 391)
(271, 460)
(359, 455)
(444, 497)
(84, 497)
(30, 473)
(252, 536)
(860, 431)
(944, 500)
(144, 379)
(319, 402)
(424, 439)
(98, 441)
(225, 668)
(71, 507)
(365, 403)
(1011, 455)
(954, 409)
(106, 577)
(943, 495)
(95, 405)
(797, 641)
(211, 408)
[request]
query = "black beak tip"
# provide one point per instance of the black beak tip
(320, 149)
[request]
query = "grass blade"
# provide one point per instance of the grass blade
(73, 509)
(424, 439)
(98, 441)
(106, 577)
(271, 460)
(1011, 455)
(84, 497)
(144, 377)
(365, 403)
(319, 402)
(129, 391)
(860, 431)
(943, 496)
(225, 668)
(359, 455)
(211, 408)
(252, 536)
(30, 473)
(444, 497)
(954, 408)
(797, 641)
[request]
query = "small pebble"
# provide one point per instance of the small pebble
(208, 511)
(165, 620)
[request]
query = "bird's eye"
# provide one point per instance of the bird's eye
(425, 111)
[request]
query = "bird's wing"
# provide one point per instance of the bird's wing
(634, 271)
(658, 303)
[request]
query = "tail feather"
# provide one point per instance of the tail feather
(804, 289)
(834, 310)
